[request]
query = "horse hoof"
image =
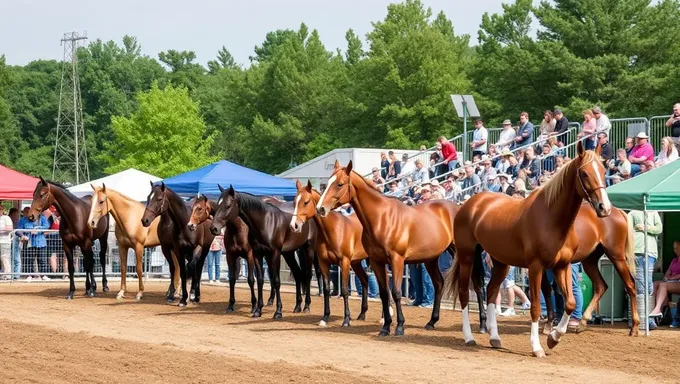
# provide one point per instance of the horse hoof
(361, 317)
(171, 299)
(540, 353)
(345, 324)
(105, 289)
(546, 330)
(495, 343)
(384, 332)
(551, 342)
(270, 302)
(633, 331)
(182, 304)
(429, 326)
(322, 323)
(306, 310)
(91, 294)
(297, 310)
(138, 297)
(483, 330)
(256, 314)
(399, 331)
(277, 315)
(470, 343)
(230, 310)
(69, 296)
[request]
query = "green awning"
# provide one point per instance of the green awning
(660, 187)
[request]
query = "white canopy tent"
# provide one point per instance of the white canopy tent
(131, 182)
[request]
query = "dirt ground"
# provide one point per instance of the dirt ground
(46, 339)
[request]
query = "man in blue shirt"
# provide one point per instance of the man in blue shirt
(36, 243)
(525, 133)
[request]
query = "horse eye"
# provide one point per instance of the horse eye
(584, 175)
(306, 203)
(101, 202)
(340, 185)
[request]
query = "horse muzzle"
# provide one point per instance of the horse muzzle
(214, 230)
(191, 226)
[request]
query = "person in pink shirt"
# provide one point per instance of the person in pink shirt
(448, 153)
(640, 154)
(588, 129)
(670, 283)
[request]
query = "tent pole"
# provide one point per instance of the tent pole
(646, 273)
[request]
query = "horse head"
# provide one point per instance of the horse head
(99, 205)
(227, 209)
(156, 203)
(303, 209)
(200, 212)
(591, 181)
(42, 199)
(338, 191)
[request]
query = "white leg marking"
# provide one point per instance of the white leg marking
(491, 319)
(120, 295)
(323, 196)
(467, 331)
(561, 329)
(322, 323)
(535, 342)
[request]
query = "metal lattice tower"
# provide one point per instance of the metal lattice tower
(70, 155)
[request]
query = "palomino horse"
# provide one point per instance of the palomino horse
(74, 231)
(269, 233)
(173, 233)
(127, 213)
(613, 236)
(534, 233)
(338, 242)
(236, 245)
(394, 233)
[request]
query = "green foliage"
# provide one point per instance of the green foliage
(164, 136)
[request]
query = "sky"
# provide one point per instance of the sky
(32, 29)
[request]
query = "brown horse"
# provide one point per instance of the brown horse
(534, 233)
(74, 231)
(611, 235)
(394, 233)
(235, 245)
(338, 242)
(127, 213)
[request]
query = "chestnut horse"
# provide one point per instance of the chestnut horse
(173, 233)
(74, 231)
(613, 236)
(394, 233)
(338, 242)
(534, 233)
(130, 233)
(235, 245)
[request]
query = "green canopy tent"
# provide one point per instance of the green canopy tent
(655, 190)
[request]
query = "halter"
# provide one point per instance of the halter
(160, 211)
(349, 187)
(585, 192)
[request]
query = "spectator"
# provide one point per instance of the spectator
(558, 299)
(621, 167)
(471, 182)
(487, 173)
(640, 154)
(561, 127)
(654, 229)
(438, 191)
(504, 162)
(479, 139)
(449, 154)
(670, 283)
(425, 193)
(629, 146)
(559, 163)
(16, 255)
(588, 129)
(408, 167)
(6, 228)
(493, 155)
(674, 123)
(377, 179)
(547, 159)
(214, 258)
(505, 184)
(384, 165)
(531, 164)
(606, 152)
(395, 166)
(513, 169)
(421, 174)
(602, 123)
(507, 137)
(36, 244)
(525, 133)
(547, 127)
(394, 190)
(372, 282)
(512, 289)
(668, 153)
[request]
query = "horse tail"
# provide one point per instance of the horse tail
(452, 281)
(630, 245)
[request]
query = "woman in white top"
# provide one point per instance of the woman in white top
(668, 152)
(507, 137)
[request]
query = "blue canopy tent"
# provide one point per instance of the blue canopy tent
(204, 180)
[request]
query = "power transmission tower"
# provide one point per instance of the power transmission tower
(70, 154)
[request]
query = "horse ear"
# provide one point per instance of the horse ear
(93, 187)
(579, 148)
(162, 186)
(103, 187)
(598, 149)
(151, 183)
(298, 185)
(231, 190)
(348, 168)
(220, 187)
(337, 165)
(43, 181)
(309, 186)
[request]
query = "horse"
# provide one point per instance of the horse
(236, 245)
(338, 242)
(173, 233)
(611, 235)
(268, 230)
(74, 231)
(394, 233)
(534, 233)
(127, 214)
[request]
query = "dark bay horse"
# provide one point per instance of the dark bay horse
(268, 229)
(394, 233)
(612, 236)
(338, 242)
(534, 233)
(235, 245)
(74, 231)
(175, 236)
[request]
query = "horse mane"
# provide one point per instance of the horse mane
(374, 186)
(118, 194)
(555, 185)
(249, 202)
(67, 193)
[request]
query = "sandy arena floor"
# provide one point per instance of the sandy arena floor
(46, 339)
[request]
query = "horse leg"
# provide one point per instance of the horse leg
(479, 287)
(325, 272)
(599, 288)
(103, 248)
(546, 289)
(139, 253)
(251, 281)
(231, 264)
(275, 267)
(201, 254)
(310, 254)
(563, 277)
(88, 260)
(181, 260)
(462, 276)
(363, 278)
(317, 272)
(260, 282)
(535, 276)
(297, 273)
(498, 274)
(177, 275)
(432, 267)
(68, 251)
(625, 273)
(345, 289)
(122, 253)
(172, 260)
(380, 271)
(397, 277)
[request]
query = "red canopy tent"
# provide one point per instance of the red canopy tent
(15, 185)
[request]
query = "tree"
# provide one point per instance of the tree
(165, 135)
(224, 60)
(183, 70)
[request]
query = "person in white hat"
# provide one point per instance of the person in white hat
(507, 136)
(641, 153)
(505, 183)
